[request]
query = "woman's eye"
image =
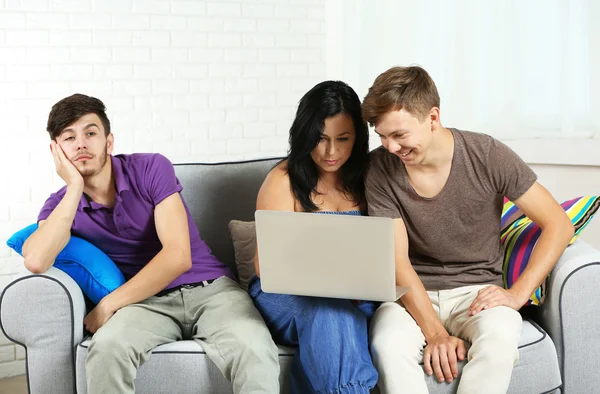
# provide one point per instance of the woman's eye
(343, 139)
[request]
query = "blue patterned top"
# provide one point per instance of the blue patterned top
(354, 212)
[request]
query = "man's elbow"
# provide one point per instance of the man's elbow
(34, 265)
(563, 229)
(186, 264)
(569, 230)
(183, 259)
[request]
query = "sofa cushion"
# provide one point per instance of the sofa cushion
(185, 366)
(243, 236)
(95, 273)
(521, 235)
(219, 193)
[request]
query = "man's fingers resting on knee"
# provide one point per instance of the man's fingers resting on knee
(427, 361)
(445, 364)
(461, 350)
(437, 368)
(452, 361)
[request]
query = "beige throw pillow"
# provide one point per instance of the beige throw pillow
(243, 235)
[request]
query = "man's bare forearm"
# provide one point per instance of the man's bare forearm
(547, 251)
(163, 269)
(417, 303)
(42, 247)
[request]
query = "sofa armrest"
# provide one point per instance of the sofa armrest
(571, 316)
(44, 313)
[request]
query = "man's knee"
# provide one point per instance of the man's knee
(499, 336)
(394, 330)
(500, 324)
(249, 336)
(106, 348)
(116, 343)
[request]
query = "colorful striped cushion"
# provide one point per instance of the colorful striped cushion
(519, 236)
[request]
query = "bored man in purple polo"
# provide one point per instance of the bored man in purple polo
(130, 207)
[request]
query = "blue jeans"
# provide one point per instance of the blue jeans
(332, 339)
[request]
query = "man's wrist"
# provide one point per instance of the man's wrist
(109, 303)
(438, 332)
(521, 295)
(75, 188)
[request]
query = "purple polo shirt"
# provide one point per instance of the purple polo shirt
(127, 233)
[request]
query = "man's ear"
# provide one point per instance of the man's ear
(434, 118)
(110, 142)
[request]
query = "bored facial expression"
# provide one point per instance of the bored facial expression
(85, 144)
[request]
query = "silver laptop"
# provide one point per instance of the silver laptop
(321, 255)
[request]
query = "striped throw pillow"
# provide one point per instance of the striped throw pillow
(519, 236)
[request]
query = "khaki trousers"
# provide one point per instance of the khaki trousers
(220, 316)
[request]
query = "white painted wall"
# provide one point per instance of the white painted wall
(199, 81)
(515, 70)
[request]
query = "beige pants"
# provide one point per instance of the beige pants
(397, 344)
(221, 317)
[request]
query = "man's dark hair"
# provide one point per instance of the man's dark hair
(70, 109)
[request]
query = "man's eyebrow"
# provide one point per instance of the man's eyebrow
(90, 125)
(391, 132)
(71, 130)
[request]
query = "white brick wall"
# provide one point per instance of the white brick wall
(199, 81)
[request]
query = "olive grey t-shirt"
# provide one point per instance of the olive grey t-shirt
(454, 237)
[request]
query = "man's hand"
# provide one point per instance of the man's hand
(97, 317)
(443, 353)
(65, 169)
(492, 296)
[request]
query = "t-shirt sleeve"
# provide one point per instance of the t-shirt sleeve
(160, 179)
(379, 195)
(509, 174)
(48, 207)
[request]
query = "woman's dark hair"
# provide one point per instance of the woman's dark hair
(70, 109)
(325, 100)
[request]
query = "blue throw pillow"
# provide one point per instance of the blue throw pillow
(90, 267)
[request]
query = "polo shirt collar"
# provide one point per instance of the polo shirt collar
(121, 185)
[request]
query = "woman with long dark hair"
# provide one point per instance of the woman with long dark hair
(323, 173)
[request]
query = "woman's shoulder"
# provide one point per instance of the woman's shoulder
(279, 174)
(276, 190)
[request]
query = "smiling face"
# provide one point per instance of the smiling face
(336, 143)
(405, 135)
(86, 145)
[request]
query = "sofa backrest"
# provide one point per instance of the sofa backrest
(219, 193)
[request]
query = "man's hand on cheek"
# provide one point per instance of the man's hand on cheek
(65, 169)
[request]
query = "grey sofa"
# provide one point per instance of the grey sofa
(558, 350)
